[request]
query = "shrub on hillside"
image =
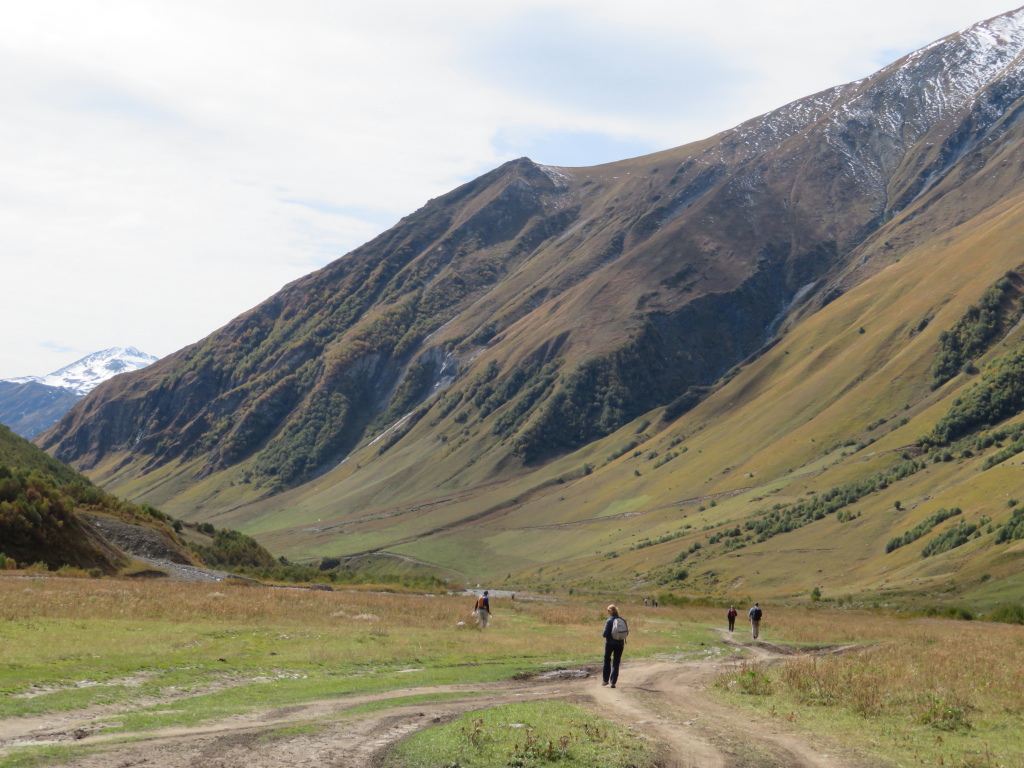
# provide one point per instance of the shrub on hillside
(232, 549)
(955, 537)
(1010, 613)
(1012, 529)
(977, 330)
(922, 528)
(997, 397)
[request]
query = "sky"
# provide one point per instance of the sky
(168, 165)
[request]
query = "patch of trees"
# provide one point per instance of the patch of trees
(1012, 529)
(401, 430)
(232, 550)
(999, 395)
(783, 518)
(921, 529)
(955, 537)
(978, 329)
(644, 543)
(687, 401)
(414, 387)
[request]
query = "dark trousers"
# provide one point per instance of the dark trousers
(612, 657)
(732, 623)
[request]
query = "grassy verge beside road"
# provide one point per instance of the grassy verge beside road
(540, 733)
(182, 653)
(926, 691)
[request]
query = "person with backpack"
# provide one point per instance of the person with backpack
(615, 631)
(755, 620)
(731, 616)
(482, 610)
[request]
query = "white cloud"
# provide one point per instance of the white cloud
(170, 163)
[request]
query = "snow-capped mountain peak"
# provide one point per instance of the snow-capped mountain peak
(84, 375)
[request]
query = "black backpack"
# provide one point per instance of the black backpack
(756, 614)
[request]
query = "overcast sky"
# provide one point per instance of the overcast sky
(168, 165)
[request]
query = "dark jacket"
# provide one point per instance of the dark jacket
(607, 635)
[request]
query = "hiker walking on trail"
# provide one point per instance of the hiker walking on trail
(615, 631)
(755, 620)
(731, 615)
(483, 610)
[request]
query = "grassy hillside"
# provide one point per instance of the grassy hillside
(846, 395)
(41, 507)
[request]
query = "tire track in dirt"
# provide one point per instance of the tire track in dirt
(665, 700)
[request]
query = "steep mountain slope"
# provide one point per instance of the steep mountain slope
(32, 404)
(490, 365)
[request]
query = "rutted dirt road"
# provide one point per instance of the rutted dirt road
(666, 701)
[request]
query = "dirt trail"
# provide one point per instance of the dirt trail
(664, 700)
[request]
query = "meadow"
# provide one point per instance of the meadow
(158, 654)
(926, 691)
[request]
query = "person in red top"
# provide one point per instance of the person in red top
(731, 615)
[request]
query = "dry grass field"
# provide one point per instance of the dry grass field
(930, 691)
(164, 654)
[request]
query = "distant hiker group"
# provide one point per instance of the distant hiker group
(616, 631)
(754, 614)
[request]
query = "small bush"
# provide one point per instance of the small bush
(945, 715)
(751, 681)
(1006, 614)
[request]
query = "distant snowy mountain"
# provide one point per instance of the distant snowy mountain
(31, 404)
(85, 375)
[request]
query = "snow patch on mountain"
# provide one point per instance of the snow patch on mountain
(83, 376)
(898, 104)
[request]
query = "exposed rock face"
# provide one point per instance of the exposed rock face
(571, 300)
(139, 540)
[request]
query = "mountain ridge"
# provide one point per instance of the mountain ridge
(31, 404)
(83, 376)
(498, 344)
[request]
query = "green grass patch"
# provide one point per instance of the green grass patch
(62, 700)
(549, 733)
(33, 757)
